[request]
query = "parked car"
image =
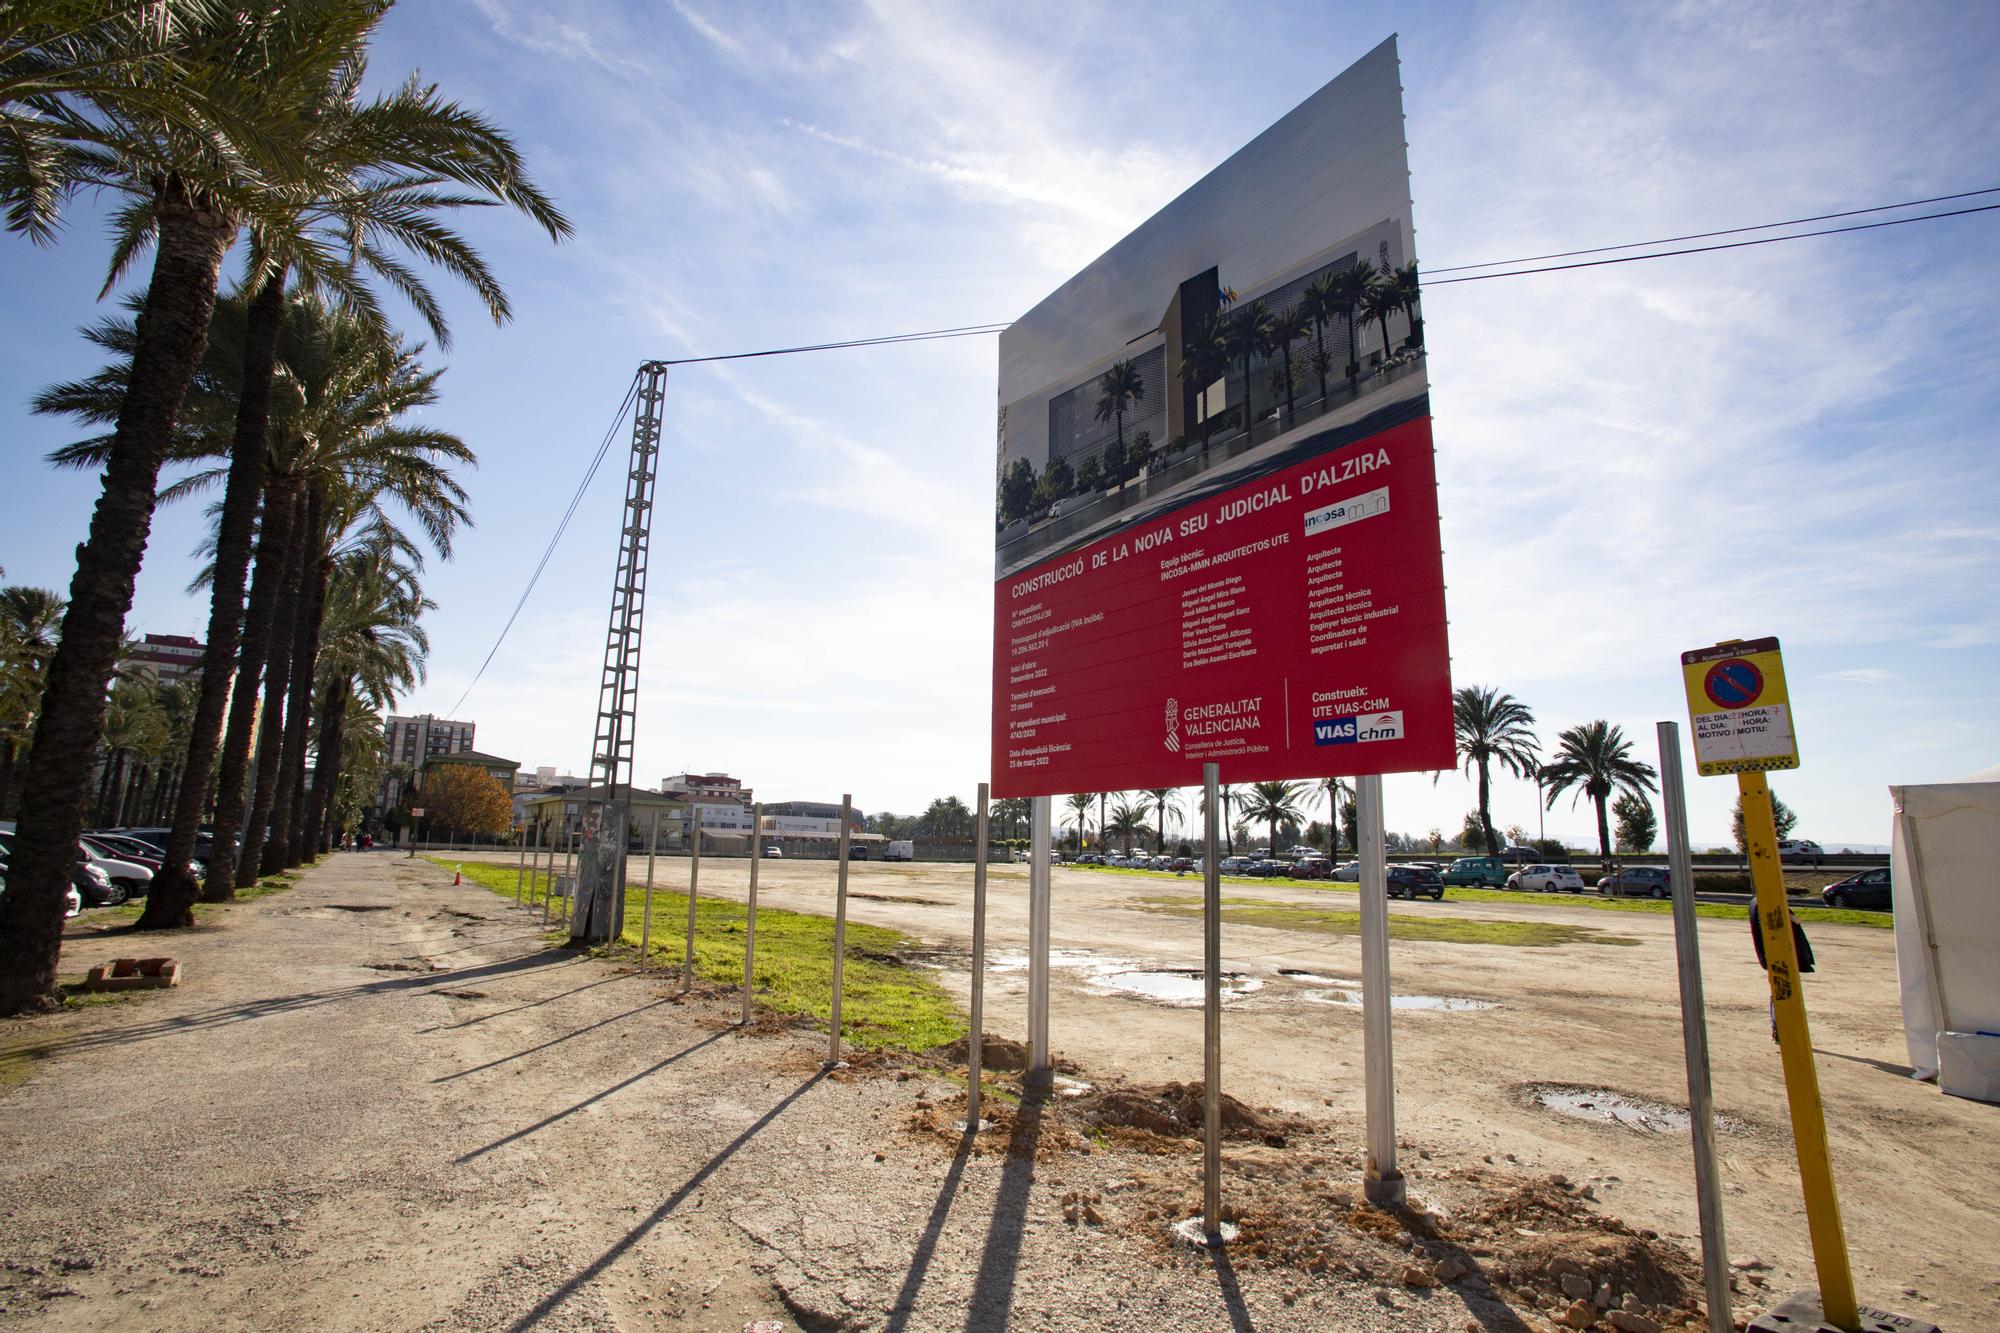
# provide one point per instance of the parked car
(1182, 863)
(1414, 882)
(1519, 856)
(73, 902)
(1545, 878)
(1310, 867)
(773, 849)
(1869, 888)
(1347, 872)
(1636, 882)
(1233, 865)
(85, 878)
(1800, 849)
(133, 877)
(1477, 870)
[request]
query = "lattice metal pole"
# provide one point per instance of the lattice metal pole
(601, 914)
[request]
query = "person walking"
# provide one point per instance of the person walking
(1800, 945)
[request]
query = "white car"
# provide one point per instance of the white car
(1799, 849)
(773, 849)
(1546, 879)
(129, 877)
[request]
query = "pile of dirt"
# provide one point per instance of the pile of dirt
(996, 1054)
(1033, 1129)
(1176, 1111)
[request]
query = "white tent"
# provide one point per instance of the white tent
(1946, 881)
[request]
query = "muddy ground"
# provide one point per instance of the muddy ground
(418, 1116)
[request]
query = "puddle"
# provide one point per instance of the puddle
(1083, 960)
(1610, 1108)
(362, 907)
(1318, 979)
(1176, 988)
(1349, 997)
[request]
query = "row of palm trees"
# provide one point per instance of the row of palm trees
(1493, 729)
(212, 124)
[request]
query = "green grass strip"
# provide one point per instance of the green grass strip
(1436, 929)
(884, 1003)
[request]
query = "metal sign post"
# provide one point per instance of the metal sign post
(1211, 1008)
(975, 1055)
(750, 926)
(1381, 1182)
(1041, 1071)
(839, 930)
(646, 917)
(1694, 1033)
(1742, 719)
(694, 891)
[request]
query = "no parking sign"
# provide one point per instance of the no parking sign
(1742, 716)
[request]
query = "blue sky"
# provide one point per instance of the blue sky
(1790, 440)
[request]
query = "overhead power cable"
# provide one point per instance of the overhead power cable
(1726, 231)
(929, 335)
(590, 473)
(1702, 249)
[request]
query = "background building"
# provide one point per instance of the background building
(412, 742)
(167, 657)
(697, 785)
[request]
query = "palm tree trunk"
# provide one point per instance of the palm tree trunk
(6, 777)
(1485, 810)
(107, 783)
(1290, 410)
(236, 529)
(1603, 830)
(233, 763)
(171, 334)
(1319, 362)
(271, 732)
(287, 822)
(332, 717)
(1353, 353)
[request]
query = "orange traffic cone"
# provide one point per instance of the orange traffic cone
(456, 878)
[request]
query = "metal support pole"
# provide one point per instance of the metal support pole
(549, 888)
(1041, 1071)
(1788, 1005)
(569, 874)
(1381, 1182)
(1211, 1006)
(646, 918)
(1694, 1032)
(521, 867)
(975, 1055)
(750, 926)
(694, 891)
(839, 930)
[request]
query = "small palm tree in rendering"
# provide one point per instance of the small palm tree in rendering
(1119, 388)
(1320, 304)
(1249, 336)
(1383, 301)
(1404, 280)
(1596, 759)
(1287, 327)
(1350, 298)
(1493, 727)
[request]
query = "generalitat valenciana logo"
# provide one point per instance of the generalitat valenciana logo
(1174, 725)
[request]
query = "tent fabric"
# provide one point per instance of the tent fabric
(1945, 884)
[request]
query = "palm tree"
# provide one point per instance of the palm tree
(1493, 727)
(1119, 387)
(188, 181)
(1351, 292)
(1127, 820)
(1320, 303)
(1595, 758)
(1204, 356)
(1165, 801)
(1276, 803)
(1079, 806)
(30, 621)
(1335, 788)
(1404, 280)
(1248, 336)
(1383, 301)
(1011, 810)
(1287, 327)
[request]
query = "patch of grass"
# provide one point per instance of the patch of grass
(884, 1002)
(1442, 930)
(263, 888)
(1840, 916)
(17, 1058)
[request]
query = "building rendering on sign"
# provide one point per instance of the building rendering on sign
(167, 658)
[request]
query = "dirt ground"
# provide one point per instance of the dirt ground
(380, 1102)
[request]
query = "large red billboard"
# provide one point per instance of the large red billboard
(1216, 528)
(1289, 627)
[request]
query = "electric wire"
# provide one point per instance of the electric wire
(1703, 249)
(928, 335)
(1726, 231)
(589, 474)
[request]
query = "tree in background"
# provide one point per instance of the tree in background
(1080, 805)
(1476, 835)
(946, 818)
(462, 799)
(30, 620)
(1275, 803)
(1350, 821)
(1127, 821)
(1334, 789)
(1165, 801)
(1492, 727)
(1596, 759)
(1782, 815)
(1637, 824)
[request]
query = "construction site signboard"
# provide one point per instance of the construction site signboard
(1741, 714)
(1217, 526)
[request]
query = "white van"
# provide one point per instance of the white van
(900, 851)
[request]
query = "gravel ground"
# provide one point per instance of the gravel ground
(381, 1102)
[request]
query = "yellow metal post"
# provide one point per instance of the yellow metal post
(1829, 1241)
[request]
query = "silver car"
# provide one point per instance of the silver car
(1546, 879)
